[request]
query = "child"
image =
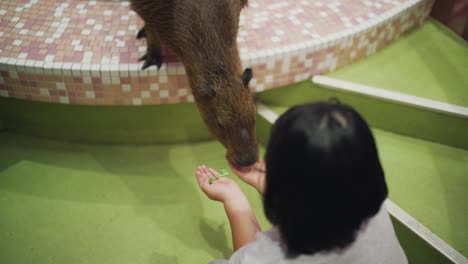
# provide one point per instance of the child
(324, 193)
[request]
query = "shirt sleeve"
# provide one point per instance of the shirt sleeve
(236, 258)
(251, 253)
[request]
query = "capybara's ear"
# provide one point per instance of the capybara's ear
(208, 90)
(247, 76)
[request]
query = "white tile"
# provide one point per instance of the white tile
(136, 101)
(270, 64)
(145, 94)
(64, 100)
(17, 42)
(4, 93)
(90, 94)
(163, 79)
(260, 87)
(182, 92)
(126, 87)
(154, 87)
(164, 93)
(22, 55)
(106, 80)
(190, 98)
(60, 86)
(172, 70)
(87, 80)
(115, 80)
(371, 49)
(44, 91)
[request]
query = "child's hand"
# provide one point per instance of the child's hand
(253, 175)
(223, 189)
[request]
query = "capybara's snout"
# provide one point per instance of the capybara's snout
(246, 158)
(243, 153)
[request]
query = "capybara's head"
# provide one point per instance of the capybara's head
(227, 108)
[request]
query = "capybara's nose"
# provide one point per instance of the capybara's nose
(247, 159)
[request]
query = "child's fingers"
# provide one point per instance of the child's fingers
(236, 171)
(224, 180)
(212, 172)
(260, 165)
(207, 172)
(201, 176)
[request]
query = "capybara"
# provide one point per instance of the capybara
(204, 35)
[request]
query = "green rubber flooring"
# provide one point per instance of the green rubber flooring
(430, 62)
(427, 180)
(74, 203)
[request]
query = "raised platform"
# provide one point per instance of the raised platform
(85, 52)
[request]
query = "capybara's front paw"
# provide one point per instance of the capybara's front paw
(150, 61)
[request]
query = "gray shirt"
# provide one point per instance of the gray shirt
(376, 243)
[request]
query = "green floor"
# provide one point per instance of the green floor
(430, 62)
(74, 203)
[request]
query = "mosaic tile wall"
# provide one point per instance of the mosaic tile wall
(85, 52)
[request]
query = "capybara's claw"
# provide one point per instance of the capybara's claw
(143, 58)
(141, 34)
(149, 61)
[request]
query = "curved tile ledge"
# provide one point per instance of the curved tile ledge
(85, 52)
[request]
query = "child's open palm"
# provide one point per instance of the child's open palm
(222, 189)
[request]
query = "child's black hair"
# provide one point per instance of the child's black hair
(324, 177)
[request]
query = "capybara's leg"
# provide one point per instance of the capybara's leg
(153, 53)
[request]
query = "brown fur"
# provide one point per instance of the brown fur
(204, 34)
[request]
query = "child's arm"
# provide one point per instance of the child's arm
(244, 224)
